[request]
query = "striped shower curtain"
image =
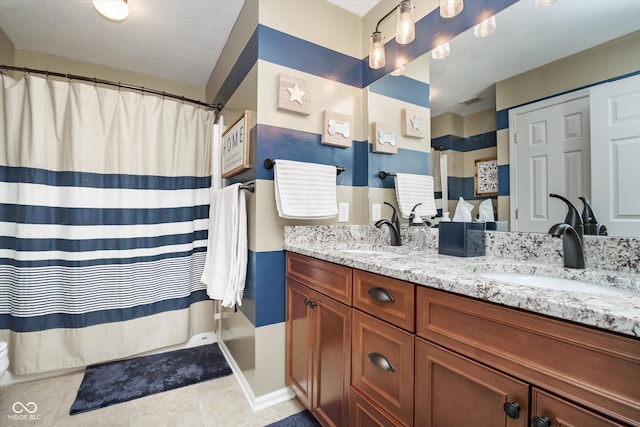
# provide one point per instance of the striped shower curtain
(104, 199)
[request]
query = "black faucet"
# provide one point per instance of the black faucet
(394, 226)
(571, 232)
(589, 220)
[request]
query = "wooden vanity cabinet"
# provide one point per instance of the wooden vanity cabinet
(369, 350)
(318, 337)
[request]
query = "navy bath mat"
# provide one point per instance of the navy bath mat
(301, 419)
(116, 382)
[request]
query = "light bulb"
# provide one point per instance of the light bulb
(544, 3)
(450, 8)
(376, 52)
(485, 28)
(405, 28)
(441, 51)
(116, 10)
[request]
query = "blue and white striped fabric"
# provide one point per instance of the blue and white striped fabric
(78, 249)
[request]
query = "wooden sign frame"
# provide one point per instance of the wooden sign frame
(235, 147)
(486, 177)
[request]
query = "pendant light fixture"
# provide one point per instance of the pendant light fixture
(115, 10)
(405, 33)
(376, 52)
(451, 8)
(485, 28)
(405, 27)
(544, 3)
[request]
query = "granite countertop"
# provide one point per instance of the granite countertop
(619, 312)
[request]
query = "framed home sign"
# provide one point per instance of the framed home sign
(235, 147)
(486, 177)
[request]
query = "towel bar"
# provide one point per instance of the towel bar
(269, 163)
(383, 174)
(249, 187)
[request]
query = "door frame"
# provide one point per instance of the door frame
(513, 146)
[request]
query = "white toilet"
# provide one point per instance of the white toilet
(4, 358)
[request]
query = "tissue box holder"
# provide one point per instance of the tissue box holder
(463, 239)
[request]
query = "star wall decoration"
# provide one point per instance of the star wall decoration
(294, 94)
(414, 123)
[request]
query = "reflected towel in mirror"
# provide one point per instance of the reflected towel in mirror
(412, 189)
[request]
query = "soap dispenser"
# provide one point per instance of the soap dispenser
(591, 226)
(417, 230)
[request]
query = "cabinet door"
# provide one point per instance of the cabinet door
(548, 410)
(454, 391)
(300, 341)
(332, 360)
(382, 364)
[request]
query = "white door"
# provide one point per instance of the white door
(615, 165)
(549, 153)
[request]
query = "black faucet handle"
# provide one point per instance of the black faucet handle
(573, 216)
(394, 215)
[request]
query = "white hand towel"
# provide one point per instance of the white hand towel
(225, 267)
(305, 190)
(413, 189)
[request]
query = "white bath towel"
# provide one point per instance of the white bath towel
(225, 267)
(305, 190)
(413, 189)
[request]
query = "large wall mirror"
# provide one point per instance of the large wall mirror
(535, 54)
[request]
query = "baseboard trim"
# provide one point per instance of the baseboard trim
(256, 403)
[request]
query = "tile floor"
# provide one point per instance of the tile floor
(214, 403)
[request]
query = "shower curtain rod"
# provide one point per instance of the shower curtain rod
(95, 80)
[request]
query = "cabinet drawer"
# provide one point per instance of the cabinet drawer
(363, 413)
(330, 279)
(561, 412)
(382, 365)
(386, 298)
(594, 368)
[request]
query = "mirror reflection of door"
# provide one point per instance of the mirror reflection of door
(549, 145)
(615, 132)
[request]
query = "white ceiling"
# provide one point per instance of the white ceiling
(182, 40)
(178, 40)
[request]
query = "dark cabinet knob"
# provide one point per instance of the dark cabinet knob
(380, 294)
(381, 362)
(540, 421)
(310, 303)
(512, 409)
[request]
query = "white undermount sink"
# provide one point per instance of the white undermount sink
(555, 283)
(367, 252)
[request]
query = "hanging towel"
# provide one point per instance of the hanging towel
(225, 267)
(413, 189)
(305, 190)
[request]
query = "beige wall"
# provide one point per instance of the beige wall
(240, 34)
(259, 351)
(44, 61)
(7, 51)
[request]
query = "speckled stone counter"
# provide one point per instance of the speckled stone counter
(506, 252)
